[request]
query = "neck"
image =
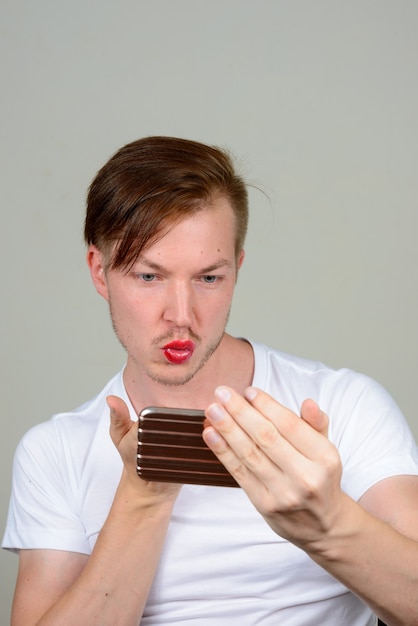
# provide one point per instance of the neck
(231, 364)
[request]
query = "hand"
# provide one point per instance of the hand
(287, 466)
(124, 434)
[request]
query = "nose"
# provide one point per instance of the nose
(179, 305)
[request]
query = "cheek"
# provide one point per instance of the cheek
(137, 312)
(216, 312)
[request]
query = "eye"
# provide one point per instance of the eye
(210, 279)
(146, 278)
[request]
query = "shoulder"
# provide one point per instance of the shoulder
(294, 377)
(366, 425)
(69, 431)
(342, 393)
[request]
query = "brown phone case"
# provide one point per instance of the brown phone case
(171, 449)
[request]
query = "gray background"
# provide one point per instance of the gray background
(318, 100)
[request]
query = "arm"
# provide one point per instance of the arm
(292, 474)
(111, 586)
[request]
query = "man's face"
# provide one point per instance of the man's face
(170, 310)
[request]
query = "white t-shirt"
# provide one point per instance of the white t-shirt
(221, 562)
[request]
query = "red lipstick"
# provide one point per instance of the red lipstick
(178, 351)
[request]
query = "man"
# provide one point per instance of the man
(324, 527)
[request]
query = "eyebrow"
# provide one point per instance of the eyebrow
(205, 270)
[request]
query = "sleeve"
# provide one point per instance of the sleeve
(371, 434)
(43, 504)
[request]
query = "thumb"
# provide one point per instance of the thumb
(120, 420)
(312, 414)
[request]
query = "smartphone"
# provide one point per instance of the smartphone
(171, 449)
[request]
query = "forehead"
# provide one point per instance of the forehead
(210, 229)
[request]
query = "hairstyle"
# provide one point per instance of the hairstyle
(153, 183)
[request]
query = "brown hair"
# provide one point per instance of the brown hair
(153, 183)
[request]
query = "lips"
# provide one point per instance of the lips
(178, 351)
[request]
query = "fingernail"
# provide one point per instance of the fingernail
(211, 437)
(250, 393)
(223, 394)
(215, 412)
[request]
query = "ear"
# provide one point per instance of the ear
(240, 259)
(96, 263)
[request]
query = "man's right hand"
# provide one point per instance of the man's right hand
(124, 434)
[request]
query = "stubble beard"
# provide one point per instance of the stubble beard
(182, 379)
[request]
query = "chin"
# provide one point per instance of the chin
(172, 381)
(175, 375)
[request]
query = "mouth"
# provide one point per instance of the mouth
(178, 351)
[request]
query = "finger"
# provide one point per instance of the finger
(120, 420)
(246, 465)
(312, 415)
(298, 432)
(124, 433)
(247, 458)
